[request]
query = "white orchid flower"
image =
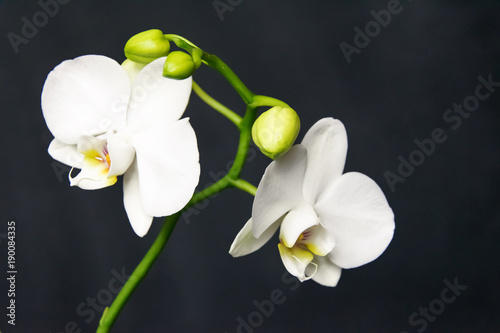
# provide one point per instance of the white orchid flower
(110, 120)
(328, 220)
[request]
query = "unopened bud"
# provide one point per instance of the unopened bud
(179, 65)
(147, 46)
(275, 131)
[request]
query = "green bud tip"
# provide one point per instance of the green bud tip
(179, 65)
(147, 46)
(275, 131)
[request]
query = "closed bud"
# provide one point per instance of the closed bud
(179, 65)
(147, 46)
(275, 131)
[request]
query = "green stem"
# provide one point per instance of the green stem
(207, 192)
(225, 111)
(244, 144)
(232, 178)
(111, 313)
(259, 100)
(244, 185)
(239, 161)
(217, 64)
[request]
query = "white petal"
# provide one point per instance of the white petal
(156, 98)
(326, 143)
(85, 96)
(121, 154)
(132, 68)
(328, 274)
(66, 154)
(280, 189)
(318, 240)
(298, 262)
(295, 223)
(356, 212)
(168, 165)
(245, 243)
(140, 221)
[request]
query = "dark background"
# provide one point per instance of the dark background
(393, 92)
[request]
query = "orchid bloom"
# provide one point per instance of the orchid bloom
(110, 120)
(328, 220)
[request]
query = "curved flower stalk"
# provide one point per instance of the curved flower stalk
(110, 120)
(327, 220)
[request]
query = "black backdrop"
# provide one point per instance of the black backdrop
(396, 89)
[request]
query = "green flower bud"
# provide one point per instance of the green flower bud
(179, 65)
(147, 46)
(275, 131)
